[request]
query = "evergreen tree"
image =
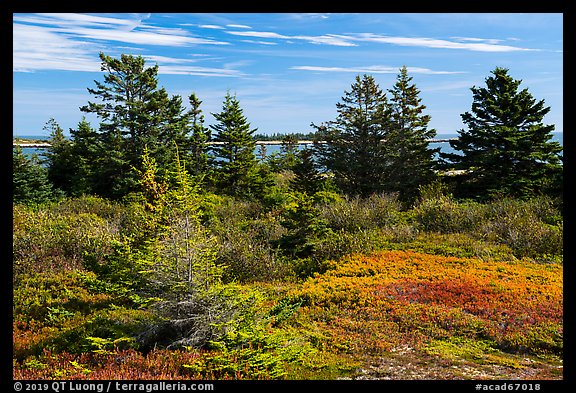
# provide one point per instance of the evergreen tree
(173, 130)
(411, 159)
(307, 177)
(353, 150)
(286, 158)
(134, 113)
(304, 225)
(236, 168)
(58, 156)
(289, 150)
(30, 184)
(86, 149)
(506, 149)
(199, 149)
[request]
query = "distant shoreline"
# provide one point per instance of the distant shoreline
(35, 144)
(31, 145)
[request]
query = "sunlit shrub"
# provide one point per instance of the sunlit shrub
(101, 207)
(531, 228)
(355, 213)
(421, 297)
(45, 241)
(525, 227)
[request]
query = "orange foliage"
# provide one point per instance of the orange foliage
(396, 297)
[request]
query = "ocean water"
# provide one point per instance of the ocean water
(271, 149)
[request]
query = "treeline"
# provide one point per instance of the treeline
(378, 143)
(279, 136)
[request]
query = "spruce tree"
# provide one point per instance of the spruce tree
(307, 178)
(134, 113)
(411, 159)
(86, 149)
(506, 149)
(236, 167)
(199, 138)
(351, 146)
(58, 156)
(30, 184)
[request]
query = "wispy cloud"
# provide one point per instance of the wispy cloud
(375, 69)
(436, 43)
(459, 43)
(260, 42)
(235, 26)
(328, 39)
(36, 48)
(493, 41)
(128, 30)
(179, 66)
(309, 15)
(199, 71)
(71, 41)
(216, 27)
(259, 34)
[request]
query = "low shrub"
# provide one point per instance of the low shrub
(416, 298)
(44, 240)
(530, 228)
(354, 214)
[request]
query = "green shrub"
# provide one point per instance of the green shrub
(246, 252)
(44, 240)
(531, 228)
(243, 233)
(355, 213)
(525, 234)
(104, 208)
(445, 215)
(43, 296)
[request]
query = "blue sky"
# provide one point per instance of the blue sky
(287, 70)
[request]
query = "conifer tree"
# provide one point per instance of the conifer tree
(58, 156)
(30, 184)
(352, 147)
(506, 149)
(86, 151)
(200, 136)
(411, 160)
(236, 167)
(307, 178)
(289, 150)
(134, 113)
(177, 262)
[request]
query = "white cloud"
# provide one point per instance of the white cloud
(259, 34)
(493, 41)
(260, 42)
(139, 37)
(435, 43)
(166, 59)
(211, 27)
(310, 15)
(463, 43)
(199, 71)
(36, 48)
(70, 19)
(71, 42)
(128, 30)
(234, 26)
(375, 69)
(328, 39)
